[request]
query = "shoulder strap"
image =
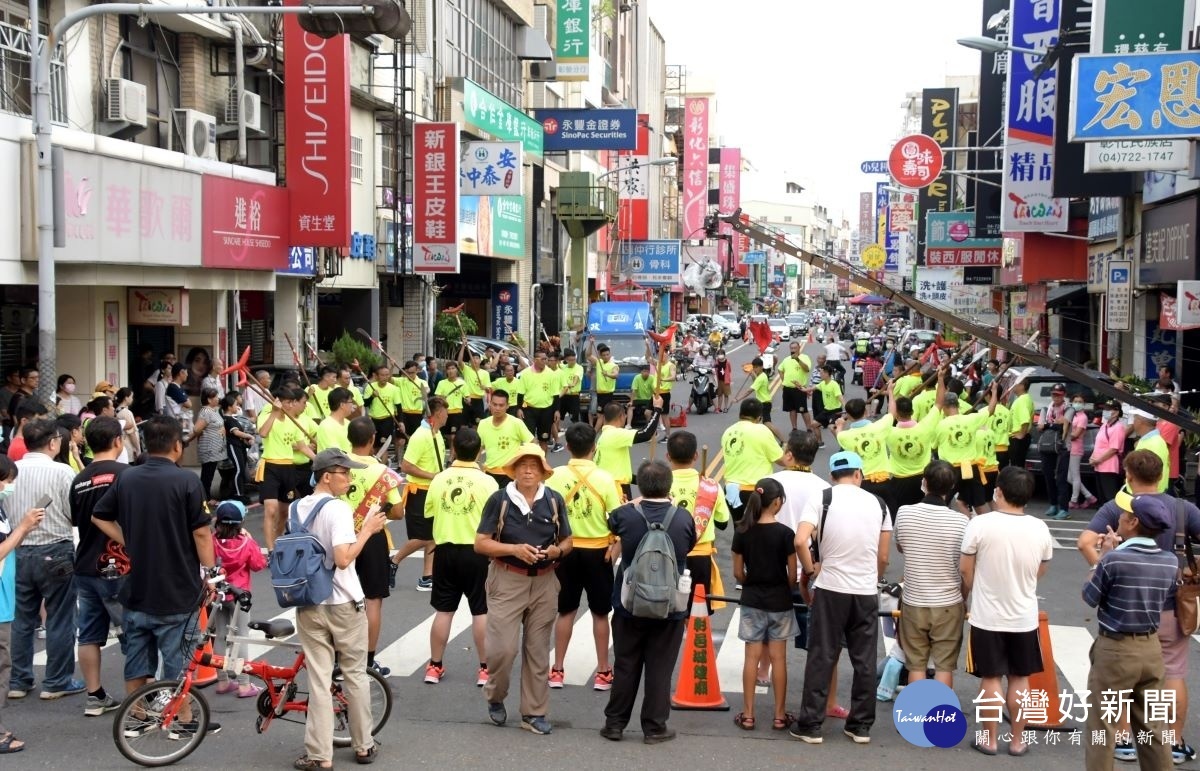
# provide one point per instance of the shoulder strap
(503, 512)
(313, 514)
(666, 523)
(1181, 530)
(638, 508)
(581, 481)
(826, 499)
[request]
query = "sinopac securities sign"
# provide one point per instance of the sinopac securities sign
(317, 149)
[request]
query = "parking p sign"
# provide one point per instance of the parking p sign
(1118, 307)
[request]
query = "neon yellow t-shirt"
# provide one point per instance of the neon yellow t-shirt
(500, 443)
(922, 403)
(750, 449)
(1157, 445)
(1020, 413)
(588, 504)
(382, 483)
(410, 394)
(831, 394)
(665, 377)
(453, 391)
(612, 452)
(870, 442)
(318, 402)
(606, 376)
(985, 447)
(956, 437)
(570, 379)
(642, 388)
(761, 387)
(277, 444)
(331, 433)
(795, 373)
(425, 450)
(906, 385)
(540, 388)
(478, 381)
(1000, 426)
(685, 485)
(910, 449)
(455, 502)
(386, 397)
(514, 388)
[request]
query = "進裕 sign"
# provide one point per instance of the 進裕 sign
(491, 168)
(915, 161)
(1118, 303)
(1135, 96)
(505, 309)
(245, 225)
(652, 263)
(588, 129)
(435, 193)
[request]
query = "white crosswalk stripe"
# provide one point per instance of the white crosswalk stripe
(409, 654)
(580, 663)
(1071, 646)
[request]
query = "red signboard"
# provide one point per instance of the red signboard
(317, 118)
(244, 223)
(633, 186)
(985, 258)
(695, 166)
(435, 193)
(900, 215)
(729, 179)
(915, 161)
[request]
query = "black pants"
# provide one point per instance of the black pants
(652, 645)
(208, 471)
(837, 616)
(701, 568)
(905, 491)
(236, 452)
(1108, 484)
(1018, 448)
(884, 491)
(1054, 472)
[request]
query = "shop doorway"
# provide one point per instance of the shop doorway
(156, 341)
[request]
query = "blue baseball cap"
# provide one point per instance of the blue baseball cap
(231, 512)
(841, 461)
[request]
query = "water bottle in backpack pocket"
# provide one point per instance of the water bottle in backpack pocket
(650, 582)
(301, 570)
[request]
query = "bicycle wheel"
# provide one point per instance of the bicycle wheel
(138, 726)
(381, 708)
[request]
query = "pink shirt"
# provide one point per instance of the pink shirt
(1109, 437)
(239, 556)
(1079, 421)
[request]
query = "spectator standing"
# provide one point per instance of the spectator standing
(1145, 428)
(209, 434)
(646, 645)
(1108, 451)
(337, 626)
(45, 568)
(11, 535)
(1004, 553)
(1129, 587)
(929, 534)
(66, 402)
(26, 411)
(238, 440)
(240, 556)
(852, 538)
(1076, 430)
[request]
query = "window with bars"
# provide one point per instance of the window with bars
(15, 67)
(356, 159)
(481, 40)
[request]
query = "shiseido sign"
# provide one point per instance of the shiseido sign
(317, 132)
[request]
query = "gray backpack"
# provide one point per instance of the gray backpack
(650, 580)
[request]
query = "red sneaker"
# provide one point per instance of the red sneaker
(556, 678)
(434, 674)
(603, 681)
(482, 678)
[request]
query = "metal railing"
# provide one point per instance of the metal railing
(15, 69)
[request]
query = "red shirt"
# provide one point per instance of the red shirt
(1171, 435)
(16, 448)
(870, 370)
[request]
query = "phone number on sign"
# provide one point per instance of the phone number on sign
(1134, 156)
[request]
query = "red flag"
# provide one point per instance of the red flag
(665, 337)
(762, 335)
(241, 365)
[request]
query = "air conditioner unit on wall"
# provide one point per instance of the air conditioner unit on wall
(195, 134)
(125, 102)
(250, 109)
(543, 72)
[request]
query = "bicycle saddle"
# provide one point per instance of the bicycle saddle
(279, 627)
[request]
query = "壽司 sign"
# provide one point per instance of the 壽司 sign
(1135, 96)
(915, 161)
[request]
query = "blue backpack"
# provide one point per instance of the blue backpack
(301, 572)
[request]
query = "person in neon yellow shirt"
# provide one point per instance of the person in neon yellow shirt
(910, 447)
(867, 439)
(614, 440)
(685, 489)
(345, 380)
(641, 389)
(664, 381)
(423, 458)
(511, 385)
(540, 387)
(455, 504)
(288, 449)
(479, 383)
(381, 398)
(957, 444)
(1020, 419)
(751, 451)
(591, 494)
(373, 485)
(1145, 427)
(410, 395)
(829, 394)
(332, 432)
(318, 394)
(570, 378)
(454, 390)
(502, 435)
(760, 387)
(607, 372)
(908, 383)
(794, 372)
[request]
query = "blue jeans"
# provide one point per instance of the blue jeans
(45, 574)
(149, 638)
(99, 609)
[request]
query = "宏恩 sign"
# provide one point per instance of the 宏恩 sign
(1135, 96)
(435, 193)
(491, 168)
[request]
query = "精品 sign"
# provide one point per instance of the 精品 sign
(588, 129)
(654, 263)
(1135, 96)
(491, 168)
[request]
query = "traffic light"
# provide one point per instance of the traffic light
(389, 18)
(711, 225)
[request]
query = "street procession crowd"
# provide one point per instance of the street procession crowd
(459, 450)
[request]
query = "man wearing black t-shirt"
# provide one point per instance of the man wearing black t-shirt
(100, 562)
(167, 543)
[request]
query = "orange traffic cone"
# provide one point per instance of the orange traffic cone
(697, 686)
(205, 675)
(1046, 681)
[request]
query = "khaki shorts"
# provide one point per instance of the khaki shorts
(931, 634)
(1174, 646)
(722, 389)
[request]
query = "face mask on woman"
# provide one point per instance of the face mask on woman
(1109, 415)
(1078, 405)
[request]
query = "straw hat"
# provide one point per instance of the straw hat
(529, 450)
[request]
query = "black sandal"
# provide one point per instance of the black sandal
(305, 763)
(6, 744)
(368, 757)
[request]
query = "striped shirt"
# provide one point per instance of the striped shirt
(39, 475)
(930, 535)
(1129, 586)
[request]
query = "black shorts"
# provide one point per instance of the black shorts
(701, 568)
(285, 482)
(794, 400)
(476, 410)
(666, 406)
(540, 422)
(501, 479)
(372, 565)
(420, 527)
(640, 410)
(556, 405)
(996, 654)
(454, 421)
(766, 412)
(972, 492)
(568, 407)
(906, 491)
(602, 401)
(384, 427)
(412, 421)
(824, 418)
(585, 570)
(457, 572)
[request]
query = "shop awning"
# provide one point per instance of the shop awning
(1065, 294)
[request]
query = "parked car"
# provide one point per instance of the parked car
(798, 323)
(480, 345)
(780, 327)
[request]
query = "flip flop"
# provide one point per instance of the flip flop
(6, 744)
(981, 748)
(1018, 753)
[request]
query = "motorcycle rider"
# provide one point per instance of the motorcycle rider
(704, 359)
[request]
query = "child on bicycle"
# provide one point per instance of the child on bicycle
(238, 553)
(764, 562)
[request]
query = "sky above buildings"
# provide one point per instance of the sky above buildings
(809, 89)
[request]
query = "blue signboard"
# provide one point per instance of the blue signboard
(302, 261)
(1135, 96)
(588, 129)
(754, 258)
(1031, 100)
(1160, 349)
(505, 310)
(891, 247)
(874, 167)
(651, 263)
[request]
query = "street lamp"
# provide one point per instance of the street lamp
(992, 46)
(655, 162)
